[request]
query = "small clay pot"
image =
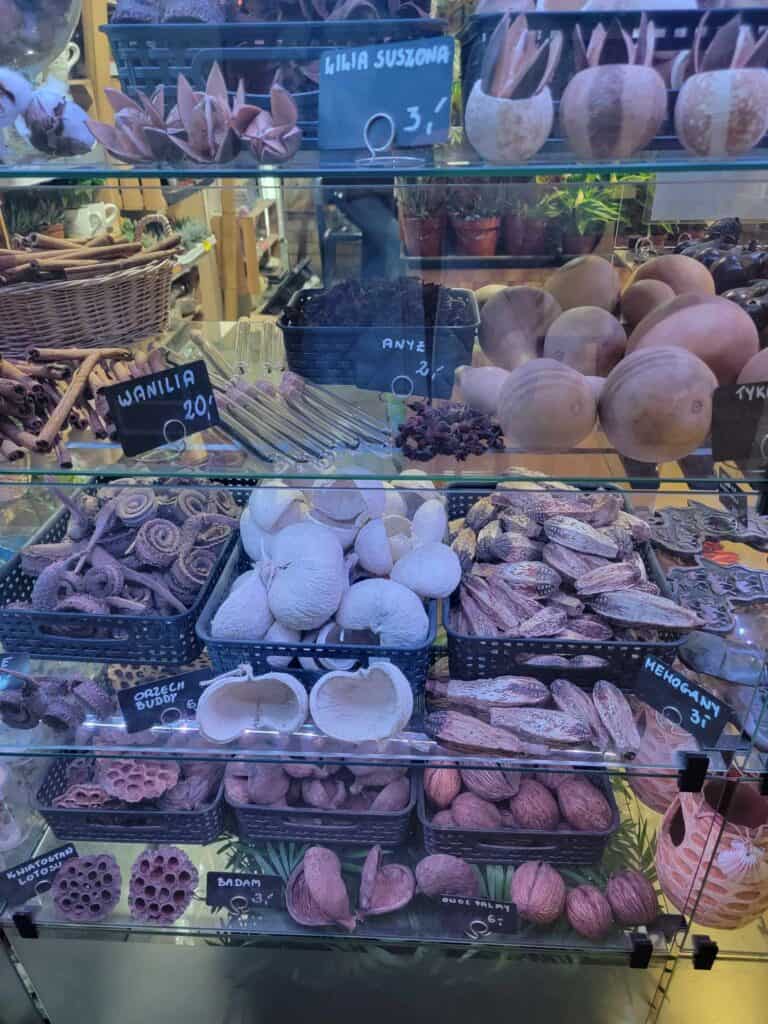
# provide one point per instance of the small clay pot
(523, 236)
(52, 230)
(476, 236)
(423, 236)
(579, 245)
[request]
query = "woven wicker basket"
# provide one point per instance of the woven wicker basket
(114, 309)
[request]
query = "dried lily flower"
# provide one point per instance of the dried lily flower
(510, 111)
(273, 136)
(206, 118)
(128, 139)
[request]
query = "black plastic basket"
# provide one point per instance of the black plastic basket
(129, 824)
(226, 655)
(513, 846)
(674, 32)
(473, 657)
(150, 55)
(310, 825)
(330, 355)
(134, 639)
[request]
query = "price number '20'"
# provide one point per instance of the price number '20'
(198, 407)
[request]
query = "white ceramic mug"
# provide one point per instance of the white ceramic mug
(91, 219)
(61, 66)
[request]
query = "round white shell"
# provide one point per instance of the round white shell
(337, 499)
(432, 570)
(279, 634)
(371, 704)
(307, 576)
(244, 614)
(344, 529)
(256, 542)
(394, 502)
(430, 522)
(508, 131)
(400, 532)
(389, 609)
(373, 549)
(229, 706)
(274, 505)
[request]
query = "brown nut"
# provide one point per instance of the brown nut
(490, 784)
(552, 780)
(471, 811)
(442, 786)
(589, 912)
(440, 873)
(267, 784)
(534, 806)
(443, 819)
(632, 898)
(538, 892)
(394, 797)
(325, 794)
(584, 807)
(383, 889)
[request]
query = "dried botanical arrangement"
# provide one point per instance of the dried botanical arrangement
(51, 121)
(359, 788)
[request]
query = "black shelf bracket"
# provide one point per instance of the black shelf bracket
(692, 772)
(704, 952)
(642, 950)
(25, 925)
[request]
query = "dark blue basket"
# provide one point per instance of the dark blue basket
(150, 55)
(127, 824)
(674, 32)
(74, 636)
(226, 655)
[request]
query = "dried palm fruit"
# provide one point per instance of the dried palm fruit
(578, 536)
(441, 874)
(573, 700)
(480, 514)
(485, 539)
(539, 725)
(616, 576)
(464, 544)
(483, 694)
(442, 785)
(616, 715)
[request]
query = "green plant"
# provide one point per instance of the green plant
(477, 201)
(423, 200)
(27, 211)
(581, 207)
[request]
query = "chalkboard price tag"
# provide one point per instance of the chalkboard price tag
(163, 702)
(477, 917)
(740, 424)
(162, 408)
(409, 82)
(406, 361)
(33, 877)
(240, 893)
(683, 702)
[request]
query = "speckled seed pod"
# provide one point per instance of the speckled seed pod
(163, 881)
(87, 888)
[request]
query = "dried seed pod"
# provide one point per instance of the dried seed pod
(571, 533)
(639, 528)
(485, 540)
(443, 819)
(532, 578)
(548, 622)
(471, 811)
(573, 700)
(635, 608)
(589, 912)
(483, 694)
(322, 873)
(604, 507)
(584, 807)
(616, 715)
(632, 898)
(616, 576)
(514, 547)
(539, 725)
(442, 786)
(455, 526)
(441, 874)
(571, 565)
(467, 733)
(491, 784)
(482, 512)
(464, 545)
(622, 538)
(552, 780)
(534, 807)
(592, 627)
(538, 892)
(325, 794)
(267, 784)
(571, 605)
(394, 797)
(383, 889)
(519, 522)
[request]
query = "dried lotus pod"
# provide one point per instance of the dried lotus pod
(383, 889)
(82, 794)
(133, 780)
(163, 882)
(87, 888)
(442, 874)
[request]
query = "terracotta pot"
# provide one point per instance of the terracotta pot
(660, 740)
(579, 245)
(694, 833)
(423, 236)
(53, 230)
(476, 236)
(524, 236)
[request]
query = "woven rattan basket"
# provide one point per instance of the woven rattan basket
(114, 309)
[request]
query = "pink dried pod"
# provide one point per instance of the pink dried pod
(310, 771)
(360, 802)
(394, 797)
(632, 898)
(325, 794)
(267, 784)
(293, 796)
(442, 874)
(236, 789)
(534, 807)
(163, 882)
(187, 795)
(443, 819)
(82, 794)
(322, 873)
(442, 785)
(132, 780)
(491, 784)
(379, 778)
(383, 889)
(538, 892)
(87, 888)
(471, 811)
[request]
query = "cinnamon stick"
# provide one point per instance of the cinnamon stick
(76, 273)
(42, 241)
(20, 437)
(105, 238)
(171, 242)
(42, 355)
(10, 451)
(74, 389)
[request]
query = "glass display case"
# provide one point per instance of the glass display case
(382, 518)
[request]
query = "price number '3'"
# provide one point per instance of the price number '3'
(414, 113)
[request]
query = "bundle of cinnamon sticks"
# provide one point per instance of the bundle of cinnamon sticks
(44, 258)
(58, 389)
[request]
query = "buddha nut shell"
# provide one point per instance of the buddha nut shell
(442, 874)
(583, 806)
(723, 112)
(589, 912)
(534, 806)
(471, 811)
(491, 784)
(632, 898)
(442, 786)
(538, 892)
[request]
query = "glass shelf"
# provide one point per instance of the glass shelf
(443, 161)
